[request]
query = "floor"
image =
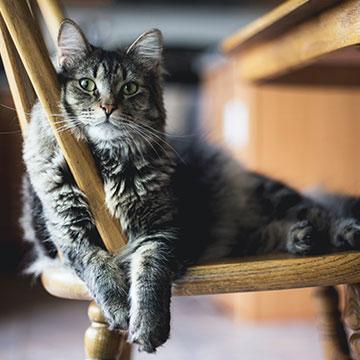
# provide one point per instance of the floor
(35, 326)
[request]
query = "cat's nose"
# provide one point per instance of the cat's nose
(108, 108)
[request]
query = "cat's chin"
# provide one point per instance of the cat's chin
(103, 132)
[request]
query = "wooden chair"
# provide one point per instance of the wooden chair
(28, 67)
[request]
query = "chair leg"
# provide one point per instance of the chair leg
(333, 335)
(101, 343)
(126, 351)
(352, 318)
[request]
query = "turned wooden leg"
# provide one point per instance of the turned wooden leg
(352, 318)
(101, 343)
(333, 335)
(125, 351)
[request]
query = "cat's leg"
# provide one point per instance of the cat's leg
(345, 233)
(310, 227)
(341, 233)
(150, 292)
(72, 228)
(301, 226)
(345, 227)
(308, 236)
(299, 237)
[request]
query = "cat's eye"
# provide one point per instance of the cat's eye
(130, 88)
(87, 84)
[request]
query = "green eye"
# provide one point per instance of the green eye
(87, 84)
(130, 88)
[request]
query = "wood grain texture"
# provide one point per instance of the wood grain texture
(334, 28)
(53, 14)
(286, 15)
(333, 337)
(21, 89)
(351, 317)
(126, 351)
(261, 24)
(34, 56)
(63, 283)
(251, 274)
(101, 343)
(272, 274)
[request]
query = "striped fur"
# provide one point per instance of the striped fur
(173, 212)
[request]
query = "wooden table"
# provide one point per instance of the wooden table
(295, 34)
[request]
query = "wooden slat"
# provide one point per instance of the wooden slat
(241, 276)
(261, 24)
(53, 14)
(22, 92)
(101, 341)
(275, 22)
(27, 40)
(351, 316)
(274, 274)
(335, 28)
(333, 337)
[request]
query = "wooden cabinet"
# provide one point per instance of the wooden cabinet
(303, 134)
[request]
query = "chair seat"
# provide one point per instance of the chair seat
(273, 272)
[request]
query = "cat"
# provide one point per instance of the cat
(178, 202)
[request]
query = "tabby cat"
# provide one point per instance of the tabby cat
(178, 202)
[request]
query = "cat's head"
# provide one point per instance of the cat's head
(110, 94)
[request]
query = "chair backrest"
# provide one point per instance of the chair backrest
(29, 71)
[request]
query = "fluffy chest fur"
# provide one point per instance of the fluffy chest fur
(136, 184)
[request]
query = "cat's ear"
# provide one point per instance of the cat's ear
(72, 44)
(148, 48)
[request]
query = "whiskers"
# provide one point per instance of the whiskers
(29, 113)
(10, 132)
(62, 121)
(11, 108)
(161, 133)
(68, 123)
(144, 137)
(151, 137)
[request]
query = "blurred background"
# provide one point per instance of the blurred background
(201, 92)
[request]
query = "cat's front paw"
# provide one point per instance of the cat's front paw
(301, 238)
(347, 234)
(116, 310)
(149, 330)
(108, 285)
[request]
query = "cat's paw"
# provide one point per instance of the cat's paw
(300, 239)
(347, 234)
(108, 285)
(116, 311)
(149, 330)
